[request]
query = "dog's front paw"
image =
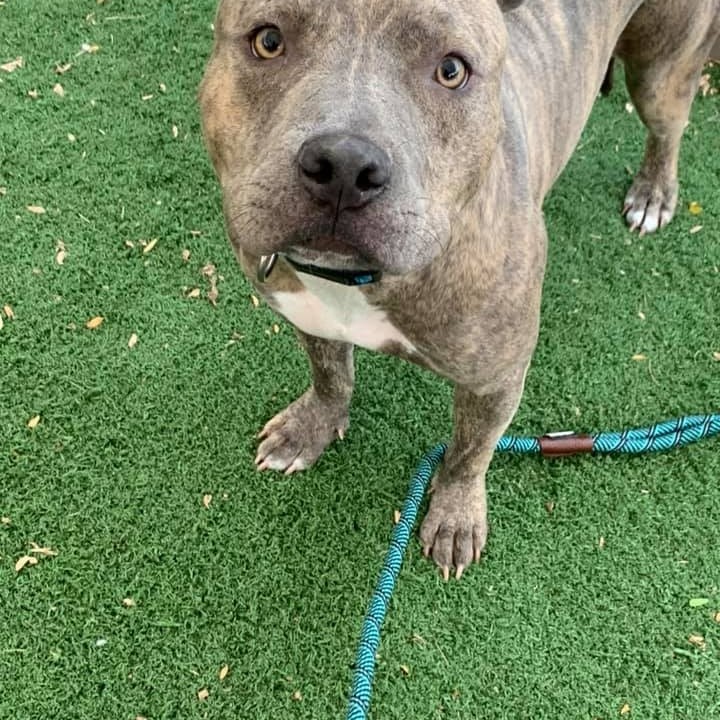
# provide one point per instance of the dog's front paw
(650, 204)
(296, 437)
(454, 531)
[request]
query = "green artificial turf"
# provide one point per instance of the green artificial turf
(274, 576)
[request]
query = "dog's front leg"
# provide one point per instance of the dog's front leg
(296, 437)
(455, 529)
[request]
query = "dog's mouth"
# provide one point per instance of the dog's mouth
(327, 251)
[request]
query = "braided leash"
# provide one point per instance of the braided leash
(663, 436)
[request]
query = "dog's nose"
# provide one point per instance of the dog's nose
(346, 171)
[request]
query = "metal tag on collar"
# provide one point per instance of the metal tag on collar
(265, 266)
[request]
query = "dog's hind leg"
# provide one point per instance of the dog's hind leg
(663, 49)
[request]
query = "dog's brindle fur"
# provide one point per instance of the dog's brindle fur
(458, 231)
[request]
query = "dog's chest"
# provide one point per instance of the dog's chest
(337, 312)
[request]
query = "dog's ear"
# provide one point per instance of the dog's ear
(506, 5)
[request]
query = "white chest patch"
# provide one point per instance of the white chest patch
(337, 312)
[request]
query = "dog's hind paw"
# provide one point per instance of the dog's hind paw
(296, 437)
(649, 205)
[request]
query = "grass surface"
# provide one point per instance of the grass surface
(273, 577)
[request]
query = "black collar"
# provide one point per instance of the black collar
(352, 278)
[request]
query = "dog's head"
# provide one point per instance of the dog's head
(352, 133)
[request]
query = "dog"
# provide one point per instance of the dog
(383, 167)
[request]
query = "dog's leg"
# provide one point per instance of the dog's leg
(455, 528)
(296, 437)
(663, 48)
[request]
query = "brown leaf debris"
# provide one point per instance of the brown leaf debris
(12, 65)
(149, 246)
(705, 85)
(213, 293)
(88, 48)
(35, 549)
(210, 272)
(25, 561)
(60, 252)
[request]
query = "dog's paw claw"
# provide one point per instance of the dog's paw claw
(298, 465)
(649, 205)
(454, 533)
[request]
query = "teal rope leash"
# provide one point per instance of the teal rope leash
(663, 436)
(375, 617)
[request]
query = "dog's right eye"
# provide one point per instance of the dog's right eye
(452, 73)
(267, 43)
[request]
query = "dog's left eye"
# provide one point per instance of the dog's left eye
(267, 43)
(452, 73)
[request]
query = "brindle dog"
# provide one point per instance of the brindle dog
(383, 166)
